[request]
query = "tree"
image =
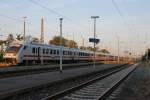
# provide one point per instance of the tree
(65, 42)
(19, 37)
(72, 44)
(105, 51)
(2, 42)
(10, 39)
(92, 49)
(35, 40)
(83, 48)
(56, 41)
(1, 56)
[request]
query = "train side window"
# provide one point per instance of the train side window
(54, 51)
(47, 50)
(57, 52)
(43, 51)
(25, 47)
(33, 50)
(51, 51)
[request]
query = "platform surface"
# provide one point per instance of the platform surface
(12, 84)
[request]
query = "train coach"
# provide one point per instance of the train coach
(21, 52)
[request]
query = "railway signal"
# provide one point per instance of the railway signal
(94, 40)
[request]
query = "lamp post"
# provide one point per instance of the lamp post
(94, 17)
(24, 28)
(60, 51)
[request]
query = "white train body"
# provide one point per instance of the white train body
(19, 52)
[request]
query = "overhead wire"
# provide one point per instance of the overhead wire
(48, 9)
(8, 17)
(55, 12)
(122, 16)
(12, 18)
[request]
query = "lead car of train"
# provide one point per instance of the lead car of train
(22, 52)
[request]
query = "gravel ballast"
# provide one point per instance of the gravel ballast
(136, 86)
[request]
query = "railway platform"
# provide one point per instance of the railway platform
(13, 69)
(13, 85)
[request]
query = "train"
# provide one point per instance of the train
(21, 52)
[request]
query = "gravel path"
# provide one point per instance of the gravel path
(136, 87)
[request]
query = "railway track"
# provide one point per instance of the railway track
(46, 89)
(98, 88)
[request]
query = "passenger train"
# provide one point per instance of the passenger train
(21, 52)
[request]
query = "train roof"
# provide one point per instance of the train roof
(55, 46)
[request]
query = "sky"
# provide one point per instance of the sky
(126, 20)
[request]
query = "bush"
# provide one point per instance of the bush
(1, 57)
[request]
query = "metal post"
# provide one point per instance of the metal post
(94, 17)
(118, 50)
(24, 28)
(42, 39)
(42, 30)
(60, 51)
(147, 53)
(73, 40)
(94, 38)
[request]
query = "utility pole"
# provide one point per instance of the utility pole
(24, 28)
(146, 47)
(73, 41)
(94, 17)
(42, 39)
(42, 30)
(60, 51)
(118, 59)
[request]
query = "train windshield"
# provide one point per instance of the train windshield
(14, 48)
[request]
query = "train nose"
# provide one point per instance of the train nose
(9, 55)
(10, 58)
